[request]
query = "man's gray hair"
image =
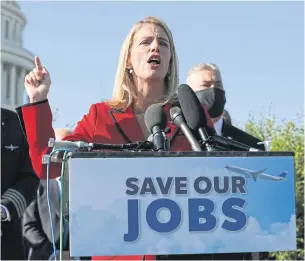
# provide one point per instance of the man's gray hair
(209, 67)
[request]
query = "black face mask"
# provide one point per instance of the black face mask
(214, 99)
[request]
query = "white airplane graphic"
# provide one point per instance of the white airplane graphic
(256, 174)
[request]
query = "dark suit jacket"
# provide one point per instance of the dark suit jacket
(241, 136)
(18, 183)
(36, 222)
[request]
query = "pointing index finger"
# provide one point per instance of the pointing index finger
(38, 63)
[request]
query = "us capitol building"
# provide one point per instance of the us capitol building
(16, 61)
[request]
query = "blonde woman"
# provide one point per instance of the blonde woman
(147, 73)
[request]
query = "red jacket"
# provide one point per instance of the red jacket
(101, 125)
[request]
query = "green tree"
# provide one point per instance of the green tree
(286, 136)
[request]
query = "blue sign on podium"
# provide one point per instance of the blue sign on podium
(181, 203)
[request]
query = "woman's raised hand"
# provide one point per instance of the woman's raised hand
(37, 83)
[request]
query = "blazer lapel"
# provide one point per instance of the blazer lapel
(233, 132)
(127, 124)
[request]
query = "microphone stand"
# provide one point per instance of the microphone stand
(219, 143)
(79, 146)
(212, 146)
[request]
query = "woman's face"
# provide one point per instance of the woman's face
(150, 53)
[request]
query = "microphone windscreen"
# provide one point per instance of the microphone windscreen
(155, 116)
(174, 111)
(191, 107)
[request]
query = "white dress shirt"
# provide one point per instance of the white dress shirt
(218, 126)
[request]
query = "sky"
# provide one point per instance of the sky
(259, 47)
(270, 206)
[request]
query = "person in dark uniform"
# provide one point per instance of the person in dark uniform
(19, 184)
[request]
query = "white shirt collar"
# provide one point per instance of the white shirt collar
(218, 126)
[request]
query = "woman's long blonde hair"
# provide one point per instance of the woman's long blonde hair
(124, 89)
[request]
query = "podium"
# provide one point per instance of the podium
(140, 203)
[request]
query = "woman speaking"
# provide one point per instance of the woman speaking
(147, 73)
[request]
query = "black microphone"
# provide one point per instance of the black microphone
(139, 145)
(178, 119)
(193, 112)
(84, 146)
(155, 121)
(197, 120)
(231, 144)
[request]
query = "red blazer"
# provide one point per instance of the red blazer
(101, 125)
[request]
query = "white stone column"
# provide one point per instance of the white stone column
(2, 27)
(3, 87)
(18, 27)
(14, 31)
(21, 27)
(21, 88)
(6, 29)
(11, 31)
(13, 85)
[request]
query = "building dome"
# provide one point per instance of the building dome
(16, 61)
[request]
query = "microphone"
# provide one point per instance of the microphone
(155, 121)
(73, 146)
(67, 145)
(197, 120)
(193, 112)
(136, 146)
(178, 119)
(231, 144)
(80, 145)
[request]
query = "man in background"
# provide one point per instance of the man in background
(205, 80)
(18, 185)
(37, 228)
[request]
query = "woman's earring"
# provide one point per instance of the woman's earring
(130, 71)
